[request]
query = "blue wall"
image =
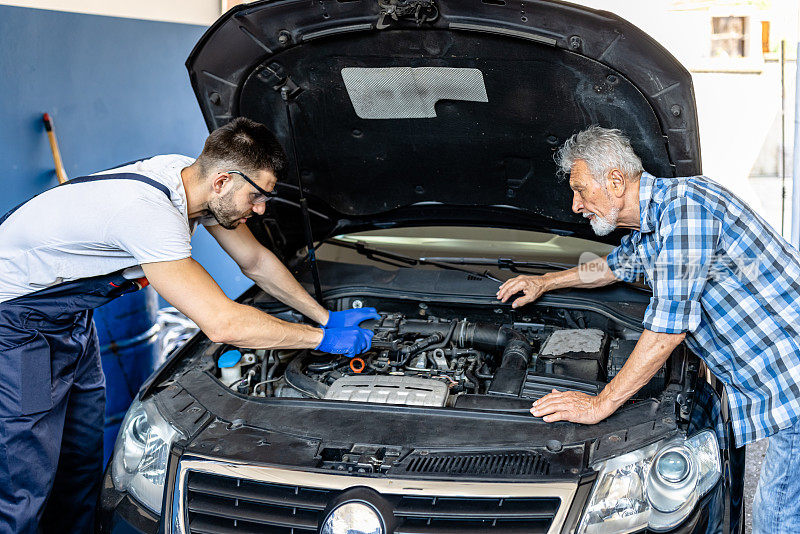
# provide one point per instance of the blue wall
(117, 90)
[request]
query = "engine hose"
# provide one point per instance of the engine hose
(325, 366)
(417, 347)
(300, 381)
(271, 373)
(463, 333)
(423, 328)
(518, 352)
(479, 336)
(484, 376)
(472, 378)
(447, 337)
(264, 359)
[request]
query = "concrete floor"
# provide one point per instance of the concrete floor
(754, 455)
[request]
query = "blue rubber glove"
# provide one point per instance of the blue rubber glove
(348, 341)
(348, 318)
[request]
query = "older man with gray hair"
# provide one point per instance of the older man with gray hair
(723, 280)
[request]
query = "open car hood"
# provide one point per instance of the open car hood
(451, 112)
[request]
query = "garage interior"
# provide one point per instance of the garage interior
(111, 78)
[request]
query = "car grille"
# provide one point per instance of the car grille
(218, 504)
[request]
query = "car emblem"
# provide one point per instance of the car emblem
(353, 517)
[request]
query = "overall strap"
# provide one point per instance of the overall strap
(84, 179)
(121, 176)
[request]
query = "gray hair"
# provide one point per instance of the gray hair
(602, 149)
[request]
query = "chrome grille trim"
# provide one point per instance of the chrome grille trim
(565, 491)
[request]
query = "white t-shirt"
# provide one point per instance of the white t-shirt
(88, 229)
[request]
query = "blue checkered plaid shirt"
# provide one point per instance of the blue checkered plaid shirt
(721, 274)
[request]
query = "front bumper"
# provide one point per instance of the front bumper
(119, 513)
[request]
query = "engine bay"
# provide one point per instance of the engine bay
(451, 356)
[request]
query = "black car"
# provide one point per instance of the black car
(421, 136)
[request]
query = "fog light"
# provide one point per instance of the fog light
(353, 518)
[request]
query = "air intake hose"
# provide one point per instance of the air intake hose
(517, 352)
(295, 377)
(481, 336)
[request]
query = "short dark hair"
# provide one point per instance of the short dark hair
(245, 145)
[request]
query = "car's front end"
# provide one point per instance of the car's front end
(418, 444)
(422, 134)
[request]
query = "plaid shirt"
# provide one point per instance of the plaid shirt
(721, 274)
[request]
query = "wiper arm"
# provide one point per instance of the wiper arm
(516, 266)
(399, 260)
(384, 256)
(502, 263)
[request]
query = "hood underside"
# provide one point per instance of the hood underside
(453, 105)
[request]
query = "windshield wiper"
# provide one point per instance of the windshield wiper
(399, 260)
(515, 266)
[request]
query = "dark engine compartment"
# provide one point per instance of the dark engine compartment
(465, 357)
(442, 375)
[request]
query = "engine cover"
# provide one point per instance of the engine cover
(403, 390)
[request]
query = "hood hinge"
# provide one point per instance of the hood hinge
(276, 77)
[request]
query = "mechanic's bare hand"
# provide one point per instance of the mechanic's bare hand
(532, 286)
(570, 406)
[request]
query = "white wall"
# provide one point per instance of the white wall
(738, 100)
(202, 12)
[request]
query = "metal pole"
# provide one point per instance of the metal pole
(783, 133)
(795, 235)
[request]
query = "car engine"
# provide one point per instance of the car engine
(435, 361)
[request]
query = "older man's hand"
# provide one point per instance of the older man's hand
(532, 288)
(570, 406)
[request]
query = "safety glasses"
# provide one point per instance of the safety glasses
(263, 196)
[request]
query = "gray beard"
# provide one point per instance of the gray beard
(602, 225)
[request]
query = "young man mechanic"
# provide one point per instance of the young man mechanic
(79, 245)
(722, 279)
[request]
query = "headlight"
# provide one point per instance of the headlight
(654, 487)
(139, 464)
(706, 453)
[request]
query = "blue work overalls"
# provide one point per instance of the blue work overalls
(52, 400)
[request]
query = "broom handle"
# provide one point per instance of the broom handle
(51, 136)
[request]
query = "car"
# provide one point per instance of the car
(421, 135)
